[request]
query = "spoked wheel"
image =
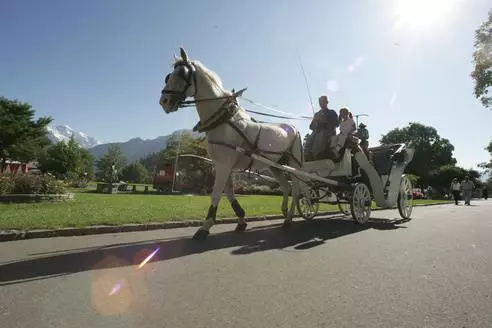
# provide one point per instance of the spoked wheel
(343, 205)
(308, 206)
(405, 198)
(360, 204)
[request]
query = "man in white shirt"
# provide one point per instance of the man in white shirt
(467, 187)
(455, 189)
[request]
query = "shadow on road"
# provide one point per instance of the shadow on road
(302, 236)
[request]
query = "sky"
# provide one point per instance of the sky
(99, 65)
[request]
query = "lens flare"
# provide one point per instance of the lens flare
(148, 258)
(116, 287)
(393, 99)
(332, 85)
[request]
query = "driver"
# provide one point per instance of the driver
(323, 125)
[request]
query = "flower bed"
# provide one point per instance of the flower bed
(31, 187)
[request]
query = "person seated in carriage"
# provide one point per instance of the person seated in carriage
(347, 128)
(323, 125)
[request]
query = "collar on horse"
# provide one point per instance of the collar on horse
(228, 109)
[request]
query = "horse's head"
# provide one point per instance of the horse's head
(179, 84)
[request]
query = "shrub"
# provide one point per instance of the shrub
(6, 183)
(30, 184)
(251, 189)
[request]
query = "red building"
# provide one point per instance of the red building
(16, 167)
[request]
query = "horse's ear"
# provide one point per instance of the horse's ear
(176, 59)
(183, 54)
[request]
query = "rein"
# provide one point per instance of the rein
(190, 103)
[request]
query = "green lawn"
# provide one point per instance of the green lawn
(94, 209)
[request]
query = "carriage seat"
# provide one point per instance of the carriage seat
(331, 152)
(384, 156)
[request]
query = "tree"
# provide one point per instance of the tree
(135, 173)
(184, 143)
(431, 151)
(189, 145)
(21, 137)
(482, 58)
(104, 165)
(488, 167)
(67, 160)
(441, 178)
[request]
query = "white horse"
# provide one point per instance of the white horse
(228, 126)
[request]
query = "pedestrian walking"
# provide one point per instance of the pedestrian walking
(467, 186)
(455, 190)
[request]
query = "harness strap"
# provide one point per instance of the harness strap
(254, 148)
(234, 95)
(224, 113)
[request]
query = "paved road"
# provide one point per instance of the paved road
(434, 271)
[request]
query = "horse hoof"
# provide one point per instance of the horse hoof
(287, 225)
(241, 227)
(200, 235)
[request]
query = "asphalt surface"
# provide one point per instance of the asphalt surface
(434, 271)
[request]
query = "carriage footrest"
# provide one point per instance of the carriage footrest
(321, 167)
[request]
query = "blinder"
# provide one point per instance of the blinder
(185, 71)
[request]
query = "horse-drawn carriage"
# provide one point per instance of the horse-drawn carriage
(351, 179)
(358, 181)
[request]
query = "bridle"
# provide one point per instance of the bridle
(187, 72)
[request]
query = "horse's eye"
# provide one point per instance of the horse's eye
(167, 77)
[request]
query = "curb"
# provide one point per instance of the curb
(11, 235)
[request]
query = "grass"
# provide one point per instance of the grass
(106, 209)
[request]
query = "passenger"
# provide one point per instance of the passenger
(347, 124)
(324, 125)
(347, 127)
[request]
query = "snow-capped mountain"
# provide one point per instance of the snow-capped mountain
(64, 132)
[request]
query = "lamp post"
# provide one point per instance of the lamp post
(357, 118)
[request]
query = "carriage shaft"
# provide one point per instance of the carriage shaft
(287, 168)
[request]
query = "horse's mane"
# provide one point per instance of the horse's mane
(210, 75)
(215, 82)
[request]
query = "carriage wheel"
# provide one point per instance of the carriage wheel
(360, 204)
(405, 198)
(308, 206)
(343, 206)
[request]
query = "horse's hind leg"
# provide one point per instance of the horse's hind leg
(221, 176)
(296, 193)
(229, 191)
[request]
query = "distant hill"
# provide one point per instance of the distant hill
(136, 148)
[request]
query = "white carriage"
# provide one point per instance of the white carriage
(354, 182)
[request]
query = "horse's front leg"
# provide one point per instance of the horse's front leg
(221, 177)
(229, 191)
